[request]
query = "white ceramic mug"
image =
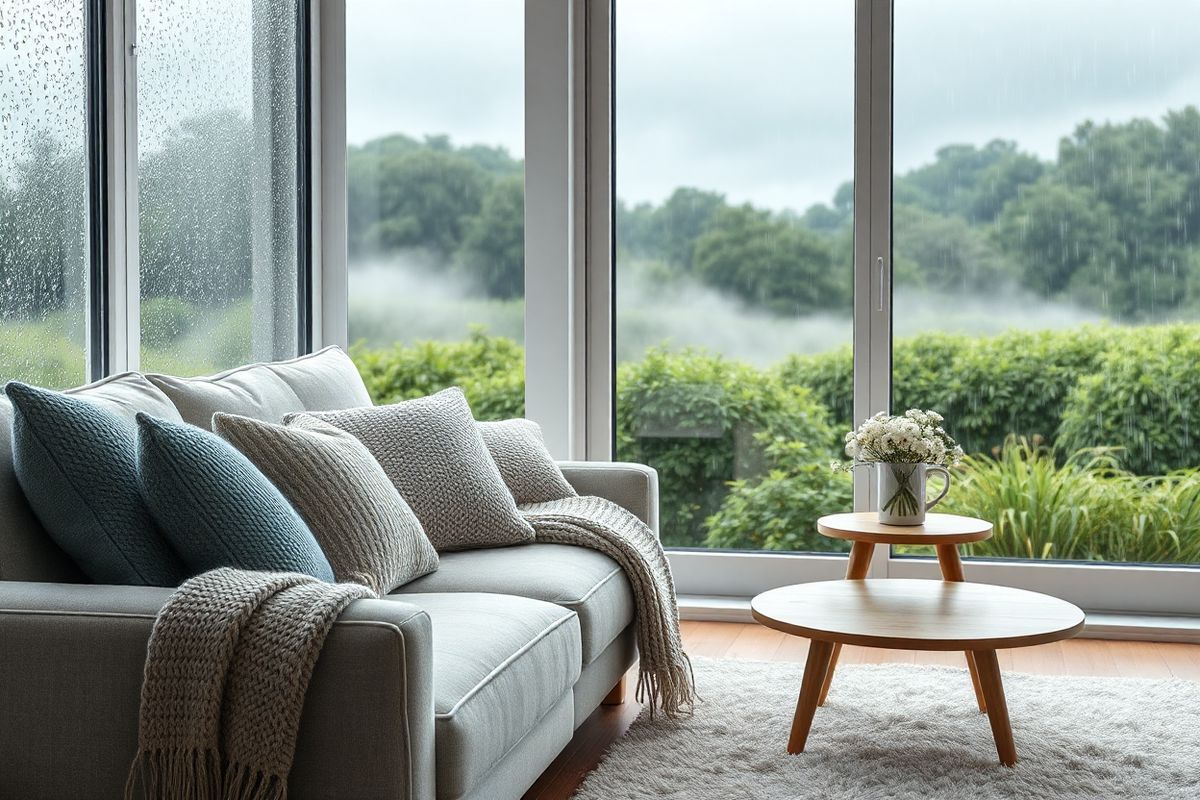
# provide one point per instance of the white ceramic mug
(902, 492)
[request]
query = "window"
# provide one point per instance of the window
(734, 265)
(217, 183)
(44, 203)
(435, 182)
(153, 198)
(1046, 260)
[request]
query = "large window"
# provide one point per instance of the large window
(153, 186)
(217, 182)
(44, 258)
(435, 181)
(1046, 259)
(734, 266)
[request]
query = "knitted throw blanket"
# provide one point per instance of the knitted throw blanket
(665, 678)
(227, 667)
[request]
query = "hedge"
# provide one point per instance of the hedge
(743, 452)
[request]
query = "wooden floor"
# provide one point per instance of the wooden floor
(756, 643)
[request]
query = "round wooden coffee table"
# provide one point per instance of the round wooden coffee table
(943, 531)
(915, 615)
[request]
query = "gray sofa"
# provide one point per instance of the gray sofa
(465, 683)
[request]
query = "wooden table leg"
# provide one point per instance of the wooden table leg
(815, 669)
(856, 569)
(952, 570)
(993, 690)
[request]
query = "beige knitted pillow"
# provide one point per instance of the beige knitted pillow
(526, 465)
(367, 531)
(433, 452)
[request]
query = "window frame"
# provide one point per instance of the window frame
(114, 329)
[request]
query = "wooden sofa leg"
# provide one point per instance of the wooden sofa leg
(617, 696)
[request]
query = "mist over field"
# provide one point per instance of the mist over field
(414, 296)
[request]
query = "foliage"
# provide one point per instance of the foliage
(1083, 509)
(165, 320)
(1143, 397)
(779, 511)
(490, 370)
(701, 421)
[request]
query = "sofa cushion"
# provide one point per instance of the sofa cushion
(500, 663)
(366, 530)
(216, 508)
(584, 581)
(529, 471)
(76, 460)
(253, 391)
(326, 380)
(433, 452)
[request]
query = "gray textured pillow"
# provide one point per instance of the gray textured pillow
(526, 465)
(366, 530)
(434, 454)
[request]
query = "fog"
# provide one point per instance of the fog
(415, 297)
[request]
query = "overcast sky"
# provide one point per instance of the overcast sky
(756, 99)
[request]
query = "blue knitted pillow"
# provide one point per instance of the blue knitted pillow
(216, 508)
(76, 463)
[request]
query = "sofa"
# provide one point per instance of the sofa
(465, 683)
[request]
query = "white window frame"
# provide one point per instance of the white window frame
(569, 274)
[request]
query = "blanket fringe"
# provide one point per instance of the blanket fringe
(671, 688)
(175, 773)
(245, 782)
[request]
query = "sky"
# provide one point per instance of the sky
(756, 99)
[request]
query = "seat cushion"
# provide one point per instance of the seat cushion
(500, 664)
(584, 581)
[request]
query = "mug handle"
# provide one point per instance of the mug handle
(945, 473)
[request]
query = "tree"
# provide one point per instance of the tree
(774, 263)
(493, 251)
(936, 251)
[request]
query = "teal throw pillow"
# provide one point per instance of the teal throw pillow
(76, 462)
(216, 508)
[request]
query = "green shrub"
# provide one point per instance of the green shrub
(1085, 508)
(490, 370)
(165, 320)
(986, 388)
(1143, 397)
(779, 511)
(702, 421)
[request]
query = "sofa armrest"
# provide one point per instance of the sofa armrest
(71, 661)
(634, 486)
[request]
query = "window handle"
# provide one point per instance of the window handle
(879, 264)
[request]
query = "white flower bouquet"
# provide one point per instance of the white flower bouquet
(907, 444)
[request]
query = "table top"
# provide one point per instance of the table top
(865, 526)
(918, 614)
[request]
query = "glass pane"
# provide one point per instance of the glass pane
(1047, 266)
(216, 182)
(43, 193)
(734, 160)
(435, 99)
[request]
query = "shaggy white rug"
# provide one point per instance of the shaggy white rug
(904, 731)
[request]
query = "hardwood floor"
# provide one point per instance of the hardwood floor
(756, 643)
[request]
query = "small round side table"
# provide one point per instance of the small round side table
(944, 531)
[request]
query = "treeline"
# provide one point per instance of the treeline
(1111, 224)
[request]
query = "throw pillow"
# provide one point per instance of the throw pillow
(76, 463)
(367, 531)
(432, 451)
(525, 464)
(216, 508)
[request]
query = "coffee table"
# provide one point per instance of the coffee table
(943, 531)
(915, 615)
